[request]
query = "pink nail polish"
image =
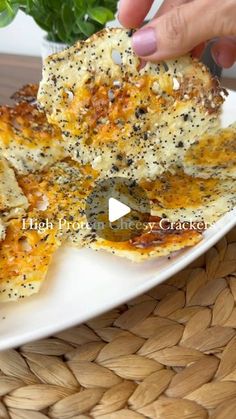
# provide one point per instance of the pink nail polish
(215, 55)
(223, 58)
(145, 42)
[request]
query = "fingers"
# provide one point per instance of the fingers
(198, 50)
(224, 52)
(132, 13)
(167, 5)
(183, 28)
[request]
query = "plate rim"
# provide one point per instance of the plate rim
(197, 251)
(71, 321)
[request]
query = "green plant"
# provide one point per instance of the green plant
(63, 20)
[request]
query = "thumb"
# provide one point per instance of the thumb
(184, 27)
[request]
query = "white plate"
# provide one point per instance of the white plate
(82, 284)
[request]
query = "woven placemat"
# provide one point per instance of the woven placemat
(169, 354)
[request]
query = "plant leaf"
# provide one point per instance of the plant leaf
(53, 5)
(80, 6)
(7, 15)
(111, 5)
(63, 20)
(45, 24)
(2, 6)
(100, 14)
(9, 7)
(29, 6)
(91, 3)
(60, 31)
(67, 17)
(87, 28)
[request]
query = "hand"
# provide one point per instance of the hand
(181, 26)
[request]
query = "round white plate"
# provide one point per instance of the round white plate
(82, 284)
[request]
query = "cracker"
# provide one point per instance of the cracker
(27, 140)
(27, 93)
(59, 194)
(2, 230)
(13, 202)
(178, 196)
(25, 256)
(65, 187)
(213, 155)
(125, 120)
(151, 245)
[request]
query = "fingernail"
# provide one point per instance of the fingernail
(145, 42)
(223, 59)
(215, 55)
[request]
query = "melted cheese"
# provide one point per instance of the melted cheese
(27, 140)
(122, 119)
(149, 246)
(12, 200)
(64, 188)
(187, 198)
(24, 260)
(213, 155)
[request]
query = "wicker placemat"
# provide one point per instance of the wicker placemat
(169, 354)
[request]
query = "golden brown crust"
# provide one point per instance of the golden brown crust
(66, 186)
(25, 253)
(149, 246)
(27, 140)
(213, 155)
(179, 196)
(27, 93)
(24, 260)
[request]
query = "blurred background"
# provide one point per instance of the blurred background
(24, 37)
